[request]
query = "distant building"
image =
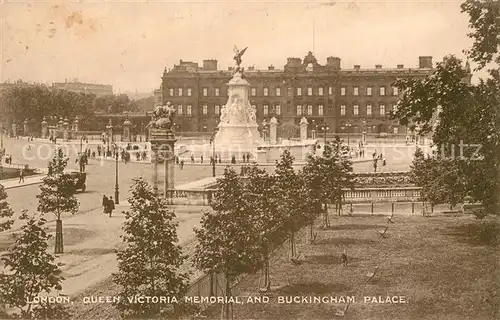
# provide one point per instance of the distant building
(355, 100)
(158, 94)
(91, 88)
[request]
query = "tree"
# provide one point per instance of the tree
(288, 193)
(228, 242)
(57, 194)
(438, 179)
(484, 20)
(326, 175)
(463, 119)
(30, 271)
(151, 263)
(5, 211)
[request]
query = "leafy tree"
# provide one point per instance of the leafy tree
(227, 240)
(6, 212)
(325, 176)
(57, 194)
(288, 193)
(29, 271)
(34, 101)
(151, 263)
(485, 22)
(438, 179)
(463, 119)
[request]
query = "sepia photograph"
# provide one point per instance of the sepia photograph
(250, 160)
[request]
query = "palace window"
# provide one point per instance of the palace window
(254, 92)
(368, 110)
(171, 92)
(189, 110)
(278, 92)
(299, 91)
(299, 110)
(277, 109)
(395, 129)
(355, 110)
(205, 109)
(320, 91)
(266, 92)
(356, 91)
(180, 92)
(217, 109)
(309, 110)
(395, 91)
(205, 92)
(368, 91)
(342, 91)
(330, 91)
(382, 91)
(382, 110)
(189, 92)
(309, 91)
(179, 109)
(342, 110)
(266, 109)
(320, 110)
(217, 92)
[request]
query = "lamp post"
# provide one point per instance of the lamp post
(117, 193)
(2, 151)
(325, 128)
(348, 126)
(212, 141)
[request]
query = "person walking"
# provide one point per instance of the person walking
(21, 175)
(104, 204)
(182, 164)
(111, 205)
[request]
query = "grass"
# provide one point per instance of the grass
(446, 267)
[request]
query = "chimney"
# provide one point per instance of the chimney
(333, 62)
(230, 68)
(251, 68)
(400, 66)
(378, 66)
(425, 62)
(210, 64)
(271, 67)
(357, 67)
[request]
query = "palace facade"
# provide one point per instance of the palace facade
(355, 100)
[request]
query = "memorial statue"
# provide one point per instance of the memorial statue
(163, 117)
(237, 57)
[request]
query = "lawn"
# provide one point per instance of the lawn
(445, 267)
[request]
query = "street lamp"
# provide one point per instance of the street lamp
(116, 174)
(325, 128)
(348, 126)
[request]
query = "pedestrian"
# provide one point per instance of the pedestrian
(104, 204)
(111, 205)
(220, 160)
(21, 175)
(233, 159)
(344, 258)
(383, 162)
(244, 158)
(201, 158)
(375, 160)
(182, 164)
(192, 158)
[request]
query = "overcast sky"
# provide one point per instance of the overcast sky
(128, 44)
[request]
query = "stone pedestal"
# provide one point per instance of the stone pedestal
(273, 125)
(14, 130)
(303, 128)
(162, 151)
(237, 131)
(126, 131)
(76, 125)
(45, 128)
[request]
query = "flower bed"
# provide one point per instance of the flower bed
(383, 179)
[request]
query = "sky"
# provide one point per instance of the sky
(128, 44)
